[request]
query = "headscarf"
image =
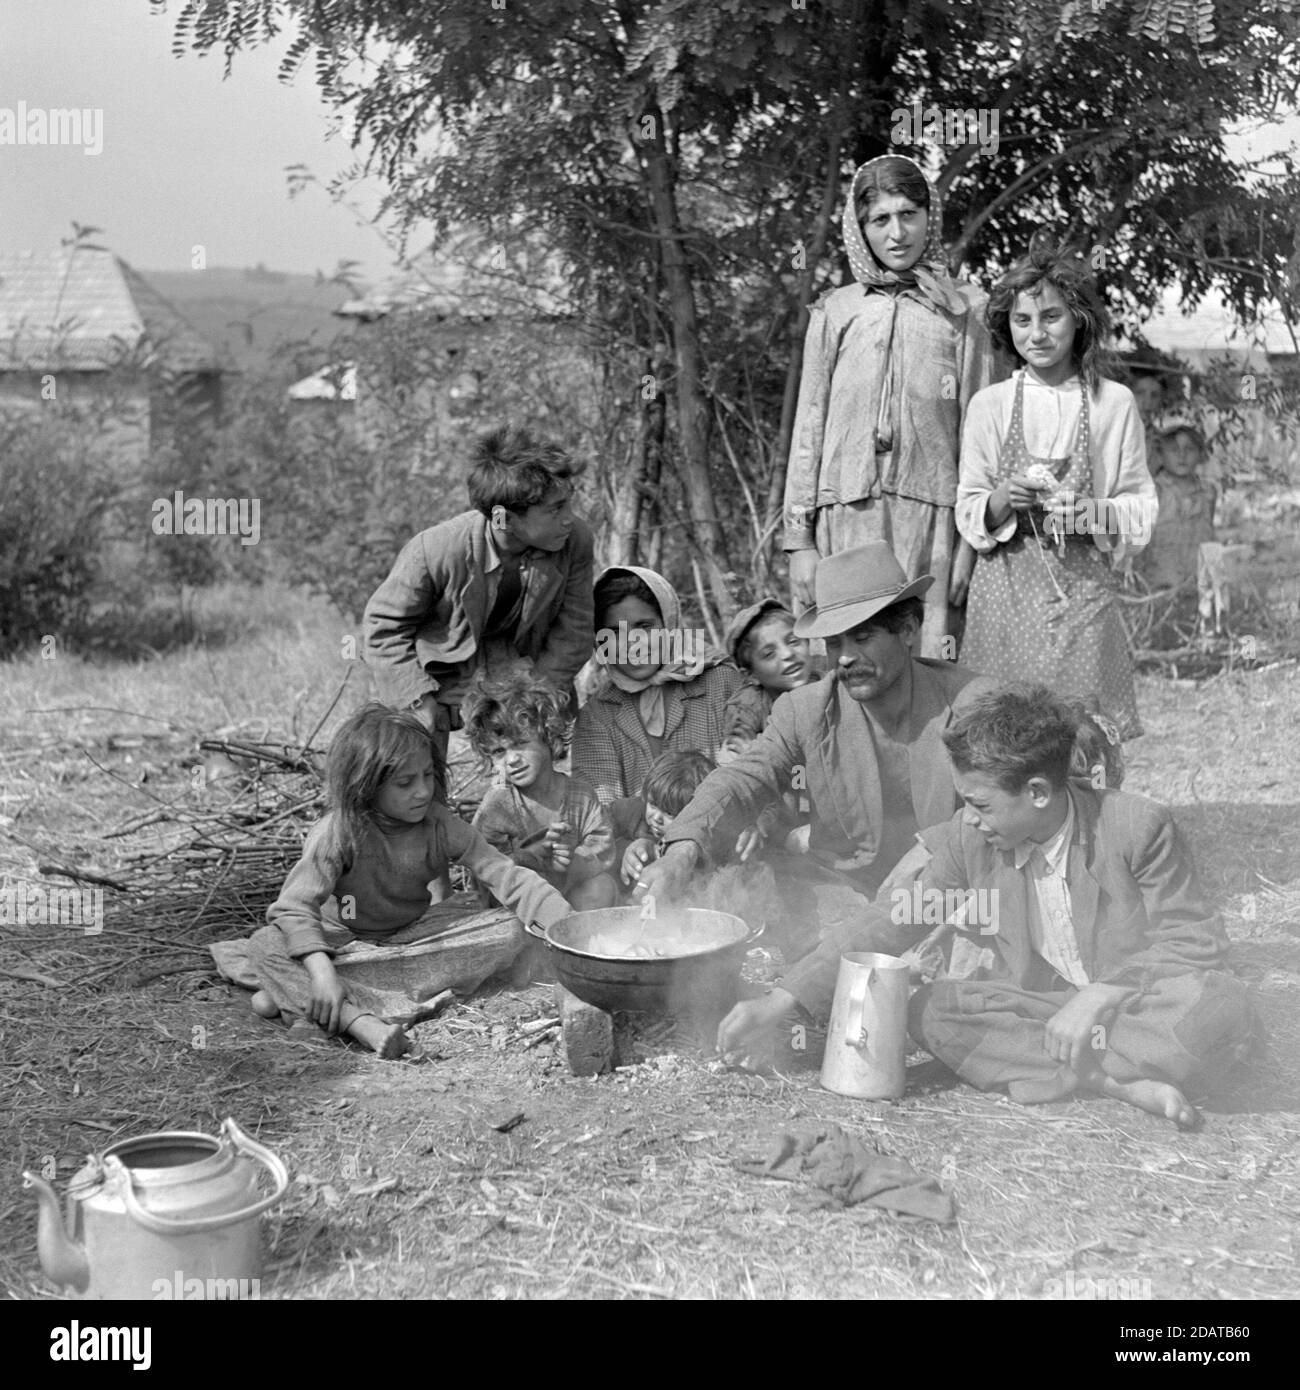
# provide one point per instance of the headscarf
(929, 274)
(649, 690)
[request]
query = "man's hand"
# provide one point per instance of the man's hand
(963, 566)
(668, 876)
(1069, 1033)
(327, 993)
(799, 840)
(803, 564)
(749, 1029)
(635, 857)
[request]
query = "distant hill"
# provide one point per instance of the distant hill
(251, 314)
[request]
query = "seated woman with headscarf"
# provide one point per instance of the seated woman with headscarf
(663, 688)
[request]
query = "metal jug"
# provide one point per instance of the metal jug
(171, 1215)
(866, 1042)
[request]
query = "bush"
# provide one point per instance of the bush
(60, 486)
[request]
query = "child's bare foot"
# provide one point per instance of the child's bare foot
(385, 1039)
(1157, 1097)
(263, 1005)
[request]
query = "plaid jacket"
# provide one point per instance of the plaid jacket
(611, 749)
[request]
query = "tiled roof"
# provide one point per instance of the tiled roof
(86, 310)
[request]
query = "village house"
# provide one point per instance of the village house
(79, 327)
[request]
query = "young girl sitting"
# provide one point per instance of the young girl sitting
(1053, 485)
(365, 876)
(542, 819)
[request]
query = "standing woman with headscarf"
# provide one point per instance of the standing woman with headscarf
(672, 703)
(889, 365)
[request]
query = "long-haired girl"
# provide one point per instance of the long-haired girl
(366, 874)
(1053, 486)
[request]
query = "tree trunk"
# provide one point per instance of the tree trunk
(693, 415)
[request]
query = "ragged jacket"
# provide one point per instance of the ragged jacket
(1137, 908)
(431, 610)
(815, 741)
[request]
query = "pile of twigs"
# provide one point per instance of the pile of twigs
(223, 859)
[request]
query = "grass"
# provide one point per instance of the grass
(624, 1185)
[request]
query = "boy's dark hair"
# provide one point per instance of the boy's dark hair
(1069, 274)
(514, 470)
(1014, 734)
(614, 588)
(514, 711)
(673, 779)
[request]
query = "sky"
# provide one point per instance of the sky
(187, 160)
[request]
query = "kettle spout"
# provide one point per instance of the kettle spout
(62, 1259)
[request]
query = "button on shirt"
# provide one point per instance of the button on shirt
(1051, 917)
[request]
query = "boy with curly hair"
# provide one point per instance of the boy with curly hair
(535, 814)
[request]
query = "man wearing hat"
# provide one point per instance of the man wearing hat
(864, 745)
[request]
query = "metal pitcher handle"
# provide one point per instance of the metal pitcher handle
(855, 1031)
(534, 930)
(117, 1174)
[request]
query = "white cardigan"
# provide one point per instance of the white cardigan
(1117, 451)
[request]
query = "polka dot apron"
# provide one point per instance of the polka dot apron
(1042, 607)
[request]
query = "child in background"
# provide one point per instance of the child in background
(762, 643)
(365, 876)
(1186, 517)
(669, 786)
(540, 818)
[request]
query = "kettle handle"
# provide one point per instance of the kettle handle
(855, 1030)
(163, 1225)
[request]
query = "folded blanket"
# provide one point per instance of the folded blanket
(824, 1155)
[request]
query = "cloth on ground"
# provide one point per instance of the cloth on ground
(843, 1166)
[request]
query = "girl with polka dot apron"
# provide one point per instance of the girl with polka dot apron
(1042, 603)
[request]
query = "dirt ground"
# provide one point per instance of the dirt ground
(626, 1185)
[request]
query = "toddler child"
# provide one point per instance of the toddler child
(1186, 516)
(365, 876)
(542, 819)
(668, 788)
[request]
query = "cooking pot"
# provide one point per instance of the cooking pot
(695, 965)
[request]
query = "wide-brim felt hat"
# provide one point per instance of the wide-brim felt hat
(739, 627)
(855, 585)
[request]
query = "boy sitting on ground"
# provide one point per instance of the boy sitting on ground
(1107, 970)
